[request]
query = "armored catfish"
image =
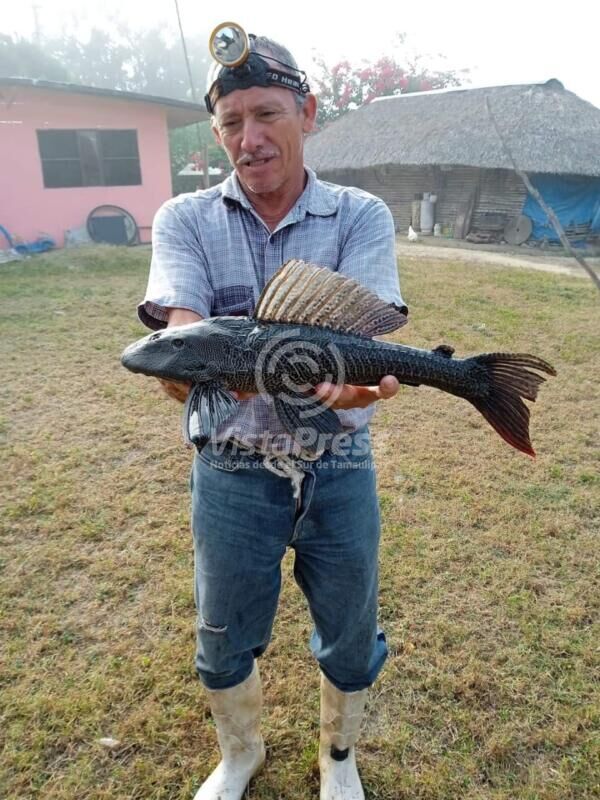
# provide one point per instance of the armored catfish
(313, 325)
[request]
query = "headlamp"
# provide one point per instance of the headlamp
(240, 67)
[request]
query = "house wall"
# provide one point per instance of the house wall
(27, 209)
(499, 193)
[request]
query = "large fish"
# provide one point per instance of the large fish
(313, 325)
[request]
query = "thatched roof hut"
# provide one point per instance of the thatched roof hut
(547, 128)
(445, 142)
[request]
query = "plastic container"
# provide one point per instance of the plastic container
(427, 217)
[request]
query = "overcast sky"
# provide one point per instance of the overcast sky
(514, 41)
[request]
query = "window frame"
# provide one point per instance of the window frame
(102, 160)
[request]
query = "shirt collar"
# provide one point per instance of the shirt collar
(316, 199)
(232, 190)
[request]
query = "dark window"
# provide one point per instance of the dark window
(58, 144)
(119, 144)
(89, 158)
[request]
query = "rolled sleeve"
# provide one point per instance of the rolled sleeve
(369, 252)
(178, 270)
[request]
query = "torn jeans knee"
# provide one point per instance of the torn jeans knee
(205, 625)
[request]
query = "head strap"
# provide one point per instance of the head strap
(255, 71)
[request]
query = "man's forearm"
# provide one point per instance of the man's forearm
(181, 316)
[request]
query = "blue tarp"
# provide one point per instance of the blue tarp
(574, 199)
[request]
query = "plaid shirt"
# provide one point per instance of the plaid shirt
(212, 254)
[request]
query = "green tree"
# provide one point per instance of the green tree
(100, 61)
(157, 65)
(20, 58)
(149, 61)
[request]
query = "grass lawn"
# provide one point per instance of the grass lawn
(489, 559)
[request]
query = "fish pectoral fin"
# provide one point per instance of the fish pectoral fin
(216, 405)
(304, 416)
(207, 406)
(190, 421)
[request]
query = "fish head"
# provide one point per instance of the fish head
(178, 353)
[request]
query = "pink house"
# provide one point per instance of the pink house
(66, 149)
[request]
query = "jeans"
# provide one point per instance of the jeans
(243, 519)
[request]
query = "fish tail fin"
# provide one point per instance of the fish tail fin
(510, 378)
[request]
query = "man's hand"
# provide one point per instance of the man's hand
(179, 390)
(349, 396)
(175, 389)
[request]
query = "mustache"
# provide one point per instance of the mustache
(248, 158)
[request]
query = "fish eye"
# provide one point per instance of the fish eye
(177, 344)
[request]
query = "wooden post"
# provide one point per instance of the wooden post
(549, 212)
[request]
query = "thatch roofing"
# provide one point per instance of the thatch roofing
(547, 128)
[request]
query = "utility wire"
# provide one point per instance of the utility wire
(185, 54)
(202, 145)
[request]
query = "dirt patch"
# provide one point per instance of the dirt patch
(448, 251)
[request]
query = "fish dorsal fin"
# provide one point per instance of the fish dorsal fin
(304, 294)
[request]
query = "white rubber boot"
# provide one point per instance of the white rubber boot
(236, 712)
(341, 716)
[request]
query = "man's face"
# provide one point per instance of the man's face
(262, 131)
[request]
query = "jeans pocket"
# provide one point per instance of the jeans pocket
(215, 457)
(219, 455)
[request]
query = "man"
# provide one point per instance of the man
(213, 252)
